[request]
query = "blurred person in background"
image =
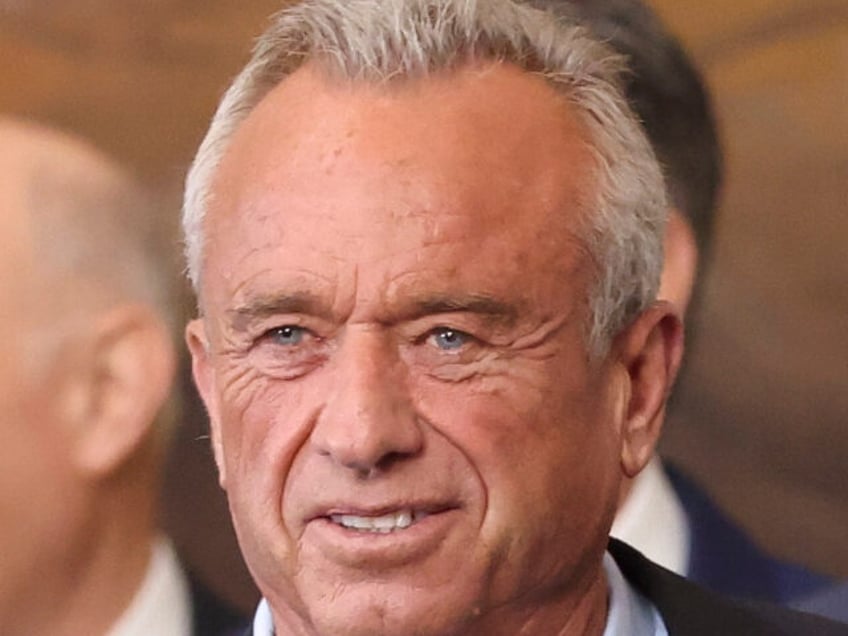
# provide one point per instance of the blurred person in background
(664, 512)
(86, 365)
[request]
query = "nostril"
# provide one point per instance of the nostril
(393, 458)
(365, 471)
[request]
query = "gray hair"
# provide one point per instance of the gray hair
(669, 95)
(366, 40)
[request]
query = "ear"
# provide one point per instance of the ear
(123, 379)
(650, 351)
(680, 264)
(203, 372)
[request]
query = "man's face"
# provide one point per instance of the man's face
(405, 419)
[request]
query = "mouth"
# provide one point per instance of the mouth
(381, 524)
(377, 538)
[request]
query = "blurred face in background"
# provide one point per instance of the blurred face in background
(39, 506)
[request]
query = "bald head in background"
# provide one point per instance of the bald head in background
(86, 366)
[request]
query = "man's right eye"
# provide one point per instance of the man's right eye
(287, 352)
(286, 335)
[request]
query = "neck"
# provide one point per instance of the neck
(625, 490)
(585, 616)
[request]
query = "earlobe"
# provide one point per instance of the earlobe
(129, 370)
(651, 351)
(204, 379)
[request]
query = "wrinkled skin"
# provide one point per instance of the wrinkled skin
(393, 298)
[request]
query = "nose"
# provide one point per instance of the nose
(368, 421)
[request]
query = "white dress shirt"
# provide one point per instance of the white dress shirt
(653, 521)
(162, 604)
(629, 614)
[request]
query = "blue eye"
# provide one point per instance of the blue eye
(287, 335)
(449, 339)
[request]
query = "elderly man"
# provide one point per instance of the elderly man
(86, 361)
(426, 239)
(666, 515)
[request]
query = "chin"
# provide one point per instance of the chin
(382, 611)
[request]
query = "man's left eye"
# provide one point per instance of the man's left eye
(449, 339)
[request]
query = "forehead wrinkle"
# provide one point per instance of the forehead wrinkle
(299, 295)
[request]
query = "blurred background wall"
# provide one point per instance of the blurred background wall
(762, 414)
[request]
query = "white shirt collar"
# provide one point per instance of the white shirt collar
(162, 604)
(263, 623)
(629, 613)
(653, 521)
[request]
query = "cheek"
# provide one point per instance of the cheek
(547, 459)
(517, 417)
(264, 424)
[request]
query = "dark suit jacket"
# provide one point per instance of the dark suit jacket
(833, 603)
(690, 610)
(210, 615)
(724, 559)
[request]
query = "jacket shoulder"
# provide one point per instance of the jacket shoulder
(690, 610)
(212, 616)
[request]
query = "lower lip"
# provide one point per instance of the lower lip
(376, 550)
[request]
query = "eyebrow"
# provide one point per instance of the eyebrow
(262, 307)
(274, 305)
(490, 308)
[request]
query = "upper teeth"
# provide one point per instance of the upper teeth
(383, 524)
